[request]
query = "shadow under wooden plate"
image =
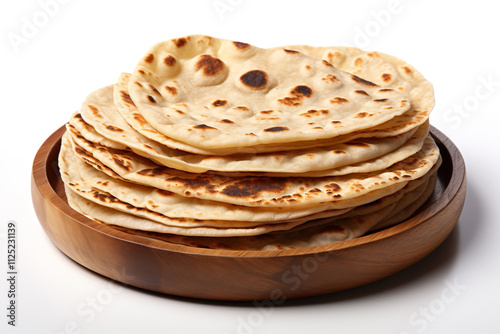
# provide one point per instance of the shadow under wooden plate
(153, 264)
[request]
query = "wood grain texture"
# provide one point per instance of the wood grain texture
(153, 264)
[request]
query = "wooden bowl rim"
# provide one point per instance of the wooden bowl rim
(41, 179)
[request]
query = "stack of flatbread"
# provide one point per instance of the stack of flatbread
(220, 144)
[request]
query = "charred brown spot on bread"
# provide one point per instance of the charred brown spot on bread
(290, 51)
(95, 111)
(297, 95)
(141, 72)
(82, 152)
(241, 45)
(153, 88)
(381, 100)
(326, 63)
(139, 118)
(150, 98)
(149, 58)
(180, 42)
(358, 62)
(164, 192)
(228, 121)
(266, 112)
(386, 77)
(180, 112)
(169, 60)
(277, 129)
(334, 55)
(241, 108)
(336, 122)
(255, 79)
(104, 197)
(154, 171)
(88, 142)
(333, 187)
(113, 128)
(302, 91)
(203, 127)
(209, 65)
(361, 115)
(407, 69)
(253, 187)
(362, 81)
(219, 103)
(121, 162)
(171, 90)
(330, 78)
(314, 112)
(138, 83)
(338, 100)
(339, 152)
(193, 184)
(386, 90)
(362, 92)
(126, 98)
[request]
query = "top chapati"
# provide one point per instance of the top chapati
(215, 93)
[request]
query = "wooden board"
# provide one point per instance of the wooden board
(153, 264)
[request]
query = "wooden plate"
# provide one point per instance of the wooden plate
(159, 266)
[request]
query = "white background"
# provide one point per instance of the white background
(46, 73)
